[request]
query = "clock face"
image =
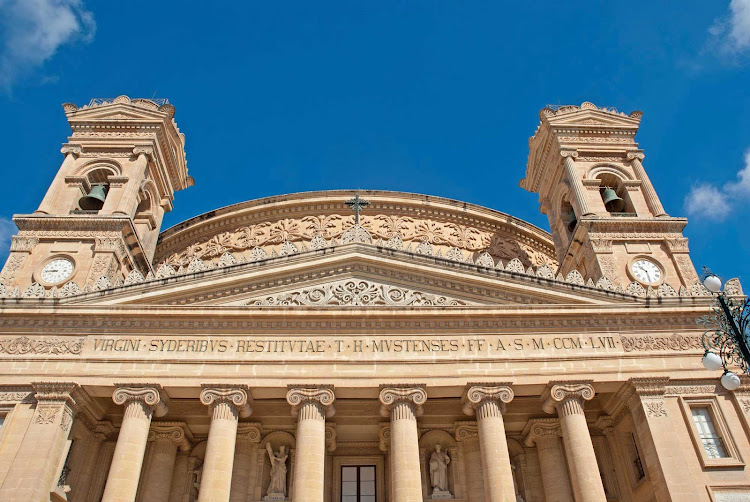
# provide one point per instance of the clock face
(57, 270)
(646, 271)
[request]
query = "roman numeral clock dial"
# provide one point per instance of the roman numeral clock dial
(646, 271)
(57, 270)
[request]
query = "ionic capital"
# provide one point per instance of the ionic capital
(413, 394)
(477, 393)
(150, 395)
(75, 150)
(233, 395)
(540, 429)
(320, 395)
(145, 150)
(569, 153)
(174, 432)
(557, 393)
(635, 155)
(466, 431)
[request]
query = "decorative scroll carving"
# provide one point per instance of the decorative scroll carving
(540, 429)
(413, 394)
(476, 393)
(466, 431)
(15, 395)
(212, 395)
(655, 408)
(46, 415)
(384, 437)
(331, 437)
(269, 236)
(24, 345)
(149, 395)
(558, 392)
(357, 293)
(172, 432)
(322, 395)
(650, 342)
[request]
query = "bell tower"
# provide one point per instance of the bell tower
(102, 214)
(605, 217)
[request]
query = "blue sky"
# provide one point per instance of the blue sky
(433, 97)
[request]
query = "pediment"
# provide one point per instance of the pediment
(590, 117)
(354, 275)
(118, 111)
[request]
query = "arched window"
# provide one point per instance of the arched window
(614, 195)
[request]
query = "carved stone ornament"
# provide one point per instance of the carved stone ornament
(24, 345)
(15, 395)
(55, 393)
(149, 395)
(384, 437)
(673, 342)
(557, 392)
(540, 429)
(655, 408)
(477, 393)
(322, 396)
(212, 395)
(173, 432)
(415, 395)
(466, 431)
(330, 437)
(357, 293)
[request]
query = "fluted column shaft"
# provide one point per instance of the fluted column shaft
(649, 193)
(226, 405)
(140, 404)
(568, 400)
(311, 405)
(552, 465)
(403, 404)
(488, 401)
(574, 180)
(128, 201)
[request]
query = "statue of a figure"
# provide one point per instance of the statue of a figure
(277, 486)
(196, 474)
(439, 461)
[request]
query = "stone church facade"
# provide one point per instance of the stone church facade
(416, 348)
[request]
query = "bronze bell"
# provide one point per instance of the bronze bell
(571, 220)
(612, 202)
(94, 201)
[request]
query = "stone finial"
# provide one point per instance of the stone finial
(560, 391)
(477, 393)
(413, 394)
(150, 395)
(322, 396)
(541, 428)
(176, 432)
(236, 396)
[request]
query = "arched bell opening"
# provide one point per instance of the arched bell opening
(614, 195)
(96, 187)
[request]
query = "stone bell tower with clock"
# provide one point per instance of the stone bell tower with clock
(605, 217)
(102, 213)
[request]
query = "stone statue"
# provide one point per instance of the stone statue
(277, 486)
(439, 461)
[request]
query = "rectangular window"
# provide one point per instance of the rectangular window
(358, 483)
(712, 442)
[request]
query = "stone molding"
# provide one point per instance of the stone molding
(476, 393)
(384, 436)
(55, 393)
(236, 396)
(413, 394)
(539, 429)
(16, 394)
(175, 432)
(558, 392)
(151, 395)
(321, 395)
(331, 435)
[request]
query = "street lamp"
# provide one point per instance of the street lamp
(727, 336)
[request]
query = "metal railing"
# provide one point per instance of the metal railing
(104, 101)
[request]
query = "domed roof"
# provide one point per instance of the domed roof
(287, 224)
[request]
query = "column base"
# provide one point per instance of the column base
(441, 495)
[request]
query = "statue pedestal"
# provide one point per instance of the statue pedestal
(274, 497)
(440, 495)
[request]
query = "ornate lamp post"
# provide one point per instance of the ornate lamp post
(727, 336)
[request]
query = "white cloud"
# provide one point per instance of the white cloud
(710, 202)
(732, 32)
(33, 30)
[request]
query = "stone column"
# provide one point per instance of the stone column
(166, 438)
(179, 478)
(226, 404)
(575, 182)
(311, 405)
(99, 479)
(545, 434)
(403, 403)
(652, 200)
(129, 199)
(488, 402)
(39, 461)
(84, 455)
(141, 403)
(248, 437)
(467, 435)
(49, 203)
(568, 398)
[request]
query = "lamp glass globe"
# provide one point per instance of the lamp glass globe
(712, 361)
(712, 283)
(730, 381)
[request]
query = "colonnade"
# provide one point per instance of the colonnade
(402, 404)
